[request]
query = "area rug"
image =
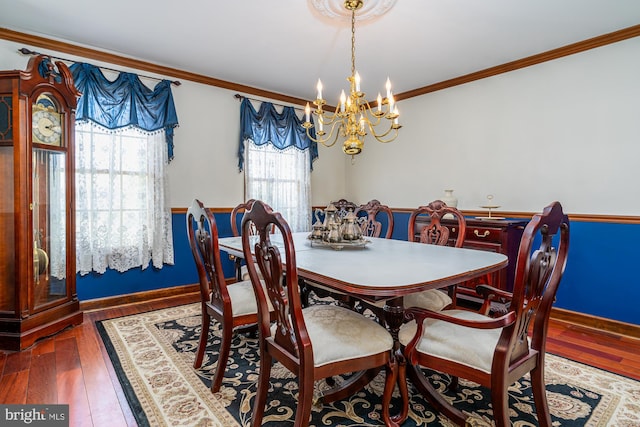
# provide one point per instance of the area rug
(153, 354)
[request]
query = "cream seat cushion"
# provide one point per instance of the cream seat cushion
(244, 273)
(468, 346)
(432, 299)
(243, 298)
(337, 334)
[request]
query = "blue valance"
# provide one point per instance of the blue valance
(267, 126)
(126, 101)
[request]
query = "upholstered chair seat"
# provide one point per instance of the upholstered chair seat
(338, 334)
(432, 299)
(472, 347)
(243, 298)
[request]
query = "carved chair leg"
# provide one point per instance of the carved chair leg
(238, 266)
(304, 292)
(500, 403)
(402, 386)
(391, 370)
(540, 395)
(223, 357)
(251, 330)
(263, 389)
(305, 399)
(453, 385)
(453, 293)
(202, 341)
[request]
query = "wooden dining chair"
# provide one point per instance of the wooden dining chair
(436, 233)
(236, 219)
(372, 227)
(313, 342)
(495, 351)
(232, 305)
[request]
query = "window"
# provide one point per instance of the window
(280, 178)
(122, 215)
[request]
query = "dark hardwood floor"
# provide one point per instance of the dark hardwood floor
(72, 367)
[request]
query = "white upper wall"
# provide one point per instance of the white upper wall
(205, 163)
(566, 130)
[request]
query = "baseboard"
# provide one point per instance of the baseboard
(109, 302)
(600, 323)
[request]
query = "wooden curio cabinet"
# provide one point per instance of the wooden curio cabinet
(37, 216)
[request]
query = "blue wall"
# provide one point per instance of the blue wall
(183, 272)
(599, 280)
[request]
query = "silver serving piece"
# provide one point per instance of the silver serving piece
(336, 232)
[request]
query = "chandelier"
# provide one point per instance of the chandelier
(354, 117)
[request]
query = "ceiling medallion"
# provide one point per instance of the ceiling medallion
(335, 9)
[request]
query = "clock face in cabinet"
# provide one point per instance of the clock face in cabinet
(46, 121)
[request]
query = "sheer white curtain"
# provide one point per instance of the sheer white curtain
(281, 178)
(123, 219)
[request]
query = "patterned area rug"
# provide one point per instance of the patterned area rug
(153, 356)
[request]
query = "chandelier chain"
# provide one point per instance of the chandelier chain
(353, 43)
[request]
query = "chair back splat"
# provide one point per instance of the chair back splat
(343, 206)
(311, 342)
(235, 216)
(496, 351)
(236, 212)
(435, 232)
(372, 227)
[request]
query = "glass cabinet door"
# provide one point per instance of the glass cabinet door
(7, 231)
(49, 226)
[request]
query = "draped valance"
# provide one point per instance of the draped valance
(126, 101)
(267, 126)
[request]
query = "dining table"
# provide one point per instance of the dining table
(382, 269)
(379, 271)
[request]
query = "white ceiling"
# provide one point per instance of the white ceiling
(284, 46)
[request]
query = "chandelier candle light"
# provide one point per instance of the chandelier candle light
(353, 115)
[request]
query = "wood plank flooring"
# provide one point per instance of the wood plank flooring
(72, 367)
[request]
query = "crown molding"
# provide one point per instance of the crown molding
(137, 64)
(603, 40)
(592, 43)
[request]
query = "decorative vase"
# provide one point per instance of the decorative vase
(450, 199)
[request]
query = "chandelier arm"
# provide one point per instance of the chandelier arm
(385, 141)
(326, 119)
(323, 141)
(372, 117)
(378, 136)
